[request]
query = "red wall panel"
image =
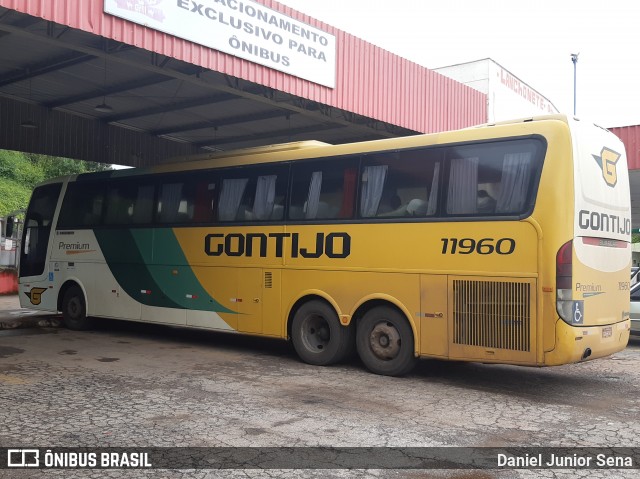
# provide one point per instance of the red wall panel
(630, 136)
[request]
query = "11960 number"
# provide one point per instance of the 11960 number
(482, 246)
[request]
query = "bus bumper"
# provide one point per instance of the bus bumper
(582, 343)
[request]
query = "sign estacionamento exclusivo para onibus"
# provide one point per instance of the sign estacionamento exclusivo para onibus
(241, 28)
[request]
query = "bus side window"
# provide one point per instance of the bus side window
(398, 184)
(516, 174)
(82, 205)
(175, 202)
(253, 194)
(463, 186)
(265, 196)
(129, 203)
(231, 195)
(491, 179)
(323, 190)
(204, 203)
(269, 194)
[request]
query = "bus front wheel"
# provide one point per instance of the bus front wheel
(385, 343)
(74, 310)
(317, 335)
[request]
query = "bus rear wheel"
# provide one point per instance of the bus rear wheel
(74, 310)
(385, 344)
(317, 335)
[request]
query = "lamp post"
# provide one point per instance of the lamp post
(574, 59)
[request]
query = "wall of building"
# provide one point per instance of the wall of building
(630, 136)
(508, 97)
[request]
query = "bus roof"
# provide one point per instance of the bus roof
(312, 149)
(275, 148)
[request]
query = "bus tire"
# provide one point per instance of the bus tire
(74, 310)
(385, 343)
(317, 335)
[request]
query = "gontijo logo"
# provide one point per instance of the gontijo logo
(607, 162)
(35, 295)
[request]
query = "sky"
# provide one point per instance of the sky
(533, 40)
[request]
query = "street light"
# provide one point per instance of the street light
(574, 59)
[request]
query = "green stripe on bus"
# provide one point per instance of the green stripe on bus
(128, 267)
(167, 281)
(174, 276)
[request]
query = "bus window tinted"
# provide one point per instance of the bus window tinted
(82, 205)
(493, 178)
(253, 194)
(400, 184)
(37, 229)
(176, 201)
(323, 190)
(204, 207)
(129, 203)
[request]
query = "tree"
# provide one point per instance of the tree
(53, 166)
(20, 172)
(15, 167)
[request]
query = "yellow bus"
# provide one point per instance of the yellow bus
(505, 243)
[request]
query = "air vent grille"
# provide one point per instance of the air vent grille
(492, 314)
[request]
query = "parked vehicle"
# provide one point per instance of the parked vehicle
(635, 309)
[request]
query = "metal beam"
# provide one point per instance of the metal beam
(269, 134)
(63, 61)
(265, 115)
(98, 92)
(175, 106)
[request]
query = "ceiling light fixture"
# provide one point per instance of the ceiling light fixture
(103, 107)
(29, 124)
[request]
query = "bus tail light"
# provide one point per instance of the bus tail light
(564, 281)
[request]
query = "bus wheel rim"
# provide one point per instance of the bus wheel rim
(385, 341)
(74, 308)
(316, 333)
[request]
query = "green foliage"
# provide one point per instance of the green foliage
(20, 172)
(16, 167)
(53, 166)
(13, 196)
(635, 238)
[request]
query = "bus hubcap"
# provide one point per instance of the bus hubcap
(385, 341)
(74, 308)
(316, 334)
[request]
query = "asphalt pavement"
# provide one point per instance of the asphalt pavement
(135, 385)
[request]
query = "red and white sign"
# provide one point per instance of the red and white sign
(242, 28)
